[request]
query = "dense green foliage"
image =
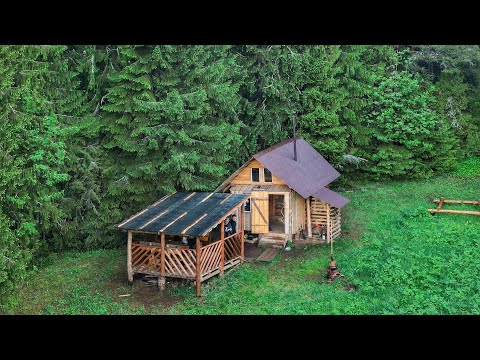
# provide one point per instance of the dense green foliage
(396, 258)
(408, 138)
(91, 133)
(171, 121)
(32, 157)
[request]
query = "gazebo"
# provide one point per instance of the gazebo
(154, 235)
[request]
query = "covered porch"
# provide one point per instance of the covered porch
(155, 235)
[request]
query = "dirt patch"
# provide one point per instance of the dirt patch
(354, 233)
(349, 286)
(150, 295)
(252, 251)
(292, 254)
(141, 294)
(321, 278)
(318, 277)
(135, 304)
(120, 279)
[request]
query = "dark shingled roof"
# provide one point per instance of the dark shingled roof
(308, 175)
(185, 213)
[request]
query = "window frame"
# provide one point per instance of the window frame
(271, 176)
(251, 174)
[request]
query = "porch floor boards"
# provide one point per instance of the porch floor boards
(268, 254)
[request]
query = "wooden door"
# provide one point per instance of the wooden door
(259, 211)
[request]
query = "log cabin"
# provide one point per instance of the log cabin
(289, 195)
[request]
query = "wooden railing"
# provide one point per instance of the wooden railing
(232, 247)
(180, 262)
(146, 258)
(210, 257)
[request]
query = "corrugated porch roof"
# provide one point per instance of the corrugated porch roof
(185, 213)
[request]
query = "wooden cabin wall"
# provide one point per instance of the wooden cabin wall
(319, 216)
(245, 176)
(297, 214)
(248, 220)
(287, 211)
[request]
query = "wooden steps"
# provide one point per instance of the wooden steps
(268, 254)
(275, 240)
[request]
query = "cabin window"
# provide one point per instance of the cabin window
(246, 204)
(255, 174)
(268, 175)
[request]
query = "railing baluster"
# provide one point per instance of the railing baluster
(182, 262)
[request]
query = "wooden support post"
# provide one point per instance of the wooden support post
(242, 230)
(129, 257)
(309, 219)
(473, 202)
(288, 212)
(440, 203)
(161, 278)
(442, 200)
(161, 283)
(329, 225)
(433, 211)
(198, 263)
(222, 246)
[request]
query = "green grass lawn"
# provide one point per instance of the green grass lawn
(396, 258)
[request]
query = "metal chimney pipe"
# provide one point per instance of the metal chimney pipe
(294, 138)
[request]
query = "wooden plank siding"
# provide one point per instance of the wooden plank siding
(297, 213)
(245, 176)
(129, 257)
(319, 211)
(288, 213)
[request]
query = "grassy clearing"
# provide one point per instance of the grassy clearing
(397, 257)
(75, 283)
(406, 261)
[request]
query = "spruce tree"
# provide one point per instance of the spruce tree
(270, 90)
(32, 157)
(171, 121)
(361, 66)
(323, 100)
(81, 92)
(409, 139)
